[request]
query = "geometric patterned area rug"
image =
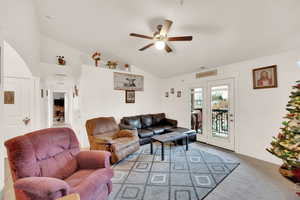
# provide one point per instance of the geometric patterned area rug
(183, 175)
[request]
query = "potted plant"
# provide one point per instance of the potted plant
(96, 58)
(286, 145)
(126, 66)
(111, 64)
(61, 60)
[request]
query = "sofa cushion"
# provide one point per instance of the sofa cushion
(157, 130)
(146, 121)
(165, 127)
(133, 122)
(143, 133)
(122, 143)
(158, 118)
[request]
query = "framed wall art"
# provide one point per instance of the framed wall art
(9, 97)
(130, 96)
(124, 81)
(265, 77)
(178, 94)
(172, 91)
(167, 94)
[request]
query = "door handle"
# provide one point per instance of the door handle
(26, 120)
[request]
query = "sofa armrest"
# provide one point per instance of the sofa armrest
(128, 127)
(42, 187)
(172, 122)
(74, 196)
(93, 159)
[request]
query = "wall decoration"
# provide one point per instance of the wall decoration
(42, 93)
(123, 81)
(61, 60)
(178, 94)
(172, 91)
(127, 67)
(96, 58)
(9, 97)
(167, 94)
(130, 96)
(76, 91)
(265, 77)
(111, 64)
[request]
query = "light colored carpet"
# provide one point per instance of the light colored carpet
(251, 180)
(191, 174)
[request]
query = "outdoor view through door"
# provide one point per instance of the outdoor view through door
(219, 110)
(197, 109)
(58, 108)
(212, 112)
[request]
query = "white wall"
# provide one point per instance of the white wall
(20, 29)
(98, 97)
(51, 48)
(259, 113)
(13, 66)
(1, 115)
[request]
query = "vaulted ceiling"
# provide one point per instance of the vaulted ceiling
(224, 31)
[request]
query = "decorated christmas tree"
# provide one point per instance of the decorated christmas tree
(286, 145)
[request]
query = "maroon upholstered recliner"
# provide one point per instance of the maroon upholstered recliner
(47, 164)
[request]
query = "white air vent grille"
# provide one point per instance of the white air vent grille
(61, 75)
(206, 74)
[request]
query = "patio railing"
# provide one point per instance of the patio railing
(220, 122)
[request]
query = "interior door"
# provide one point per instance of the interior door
(221, 113)
(18, 102)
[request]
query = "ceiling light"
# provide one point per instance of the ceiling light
(160, 45)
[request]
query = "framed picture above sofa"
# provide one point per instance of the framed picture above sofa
(124, 81)
(130, 96)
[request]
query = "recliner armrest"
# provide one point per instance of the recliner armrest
(128, 127)
(103, 140)
(93, 159)
(126, 133)
(43, 187)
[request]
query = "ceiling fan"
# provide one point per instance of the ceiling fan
(160, 37)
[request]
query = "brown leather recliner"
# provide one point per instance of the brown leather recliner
(105, 134)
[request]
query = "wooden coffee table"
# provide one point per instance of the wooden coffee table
(167, 138)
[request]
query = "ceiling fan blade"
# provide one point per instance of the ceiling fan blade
(181, 38)
(141, 36)
(146, 47)
(168, 48)
(166, 27)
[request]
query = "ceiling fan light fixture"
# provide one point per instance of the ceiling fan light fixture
(160, 45)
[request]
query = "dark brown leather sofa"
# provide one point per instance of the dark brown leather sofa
(148, 125)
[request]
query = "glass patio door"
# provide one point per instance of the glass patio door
(221, 113)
